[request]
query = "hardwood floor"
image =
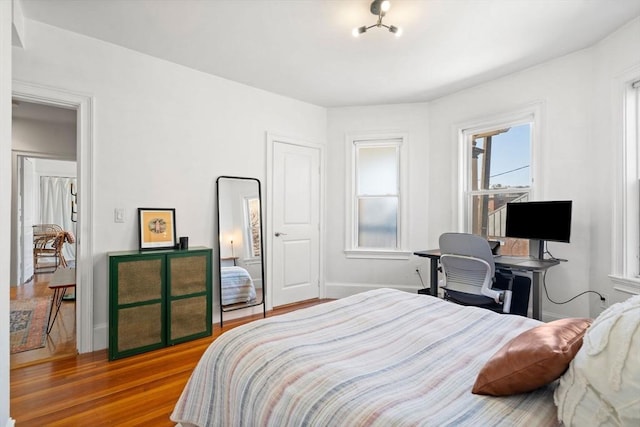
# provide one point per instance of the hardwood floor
(61, 341)
(87, 389)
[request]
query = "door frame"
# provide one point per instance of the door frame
(272, 139)
(17, 202)
(84, 105)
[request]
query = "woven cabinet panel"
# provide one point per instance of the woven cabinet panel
(139, 281)
(188, 275)
(139, 326)
(188, 317)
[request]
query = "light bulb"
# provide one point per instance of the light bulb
(359, 30)
(397, 31)
(385, 6)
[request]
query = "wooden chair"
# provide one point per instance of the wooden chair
(48, 240)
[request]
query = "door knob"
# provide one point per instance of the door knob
(278, 234)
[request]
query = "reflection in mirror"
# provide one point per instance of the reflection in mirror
(240, 246)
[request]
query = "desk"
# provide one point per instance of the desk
(61, 279)
(531, 265)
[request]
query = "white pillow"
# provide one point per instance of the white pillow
(602, 384)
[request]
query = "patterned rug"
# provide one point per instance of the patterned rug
(28, 324)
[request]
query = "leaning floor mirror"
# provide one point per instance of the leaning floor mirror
(242, 282)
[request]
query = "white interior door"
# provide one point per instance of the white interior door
(296, 223)
(26, 215)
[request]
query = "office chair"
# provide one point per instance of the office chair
(469, 272)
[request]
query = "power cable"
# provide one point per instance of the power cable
(544, 285)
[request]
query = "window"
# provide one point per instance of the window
(252, 226)
(497, 161)
(633, 136)
(626, 265)
(377, 195)
(376, 205)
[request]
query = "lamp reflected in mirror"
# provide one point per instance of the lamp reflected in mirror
(240, 247)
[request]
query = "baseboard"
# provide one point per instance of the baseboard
(336, 290)
(238, 314)
(549, 316)
(100, 336)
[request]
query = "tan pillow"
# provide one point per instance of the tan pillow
(532, 359)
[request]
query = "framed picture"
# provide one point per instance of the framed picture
(157, 228)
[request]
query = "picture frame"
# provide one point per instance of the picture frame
(156, 228)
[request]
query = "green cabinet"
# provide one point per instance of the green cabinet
(157, 299)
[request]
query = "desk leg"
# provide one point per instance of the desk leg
(434, 277)
(58, 295)
(537, 296)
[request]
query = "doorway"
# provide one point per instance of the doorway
(45, 195)
(44, 175)
(294, 220)
(83, 105)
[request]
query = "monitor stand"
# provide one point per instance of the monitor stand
(536, 248)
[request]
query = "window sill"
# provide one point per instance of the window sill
(629, 285)
(377, 254)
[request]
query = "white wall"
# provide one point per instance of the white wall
(39, 136)
(563, 89)
(5, 204)
(576, 154)
(614, 59)
(563, 86)
(163, 134)
(346, 276)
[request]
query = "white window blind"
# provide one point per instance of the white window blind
(376, 205)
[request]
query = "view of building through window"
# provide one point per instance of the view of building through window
(500, 173)
(253, 229)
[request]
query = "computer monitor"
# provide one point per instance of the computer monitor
(539, 220)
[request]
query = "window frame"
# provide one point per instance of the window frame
(625, 270)
(383, 139)
(531, 114)
(248, 235)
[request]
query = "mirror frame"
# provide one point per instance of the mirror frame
(264, 281)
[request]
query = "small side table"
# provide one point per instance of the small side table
(230, 258)
(61, 279)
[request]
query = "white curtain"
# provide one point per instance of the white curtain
(55, 207)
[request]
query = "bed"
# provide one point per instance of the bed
(237, 286)
(379, 358)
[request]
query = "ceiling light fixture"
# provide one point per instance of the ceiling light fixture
(380, 9)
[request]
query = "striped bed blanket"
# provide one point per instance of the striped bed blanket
(379, 358)
(237, 285)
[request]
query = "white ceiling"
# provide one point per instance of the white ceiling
(304, 48)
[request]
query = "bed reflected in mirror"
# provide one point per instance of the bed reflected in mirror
(240, 246)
